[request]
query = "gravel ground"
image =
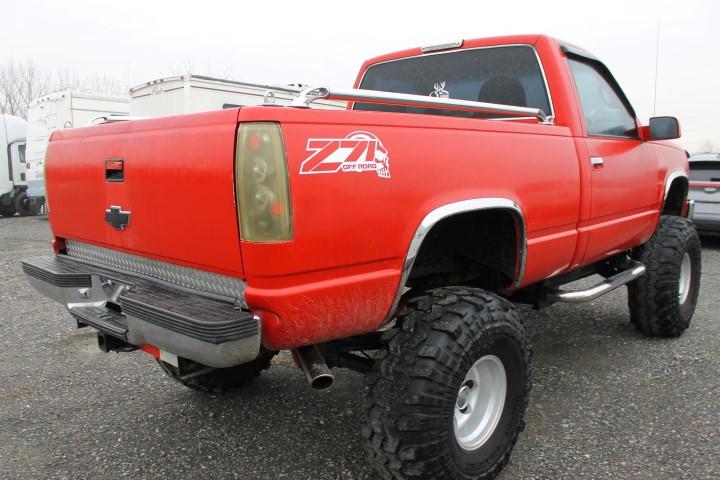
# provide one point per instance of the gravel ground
(607, 403)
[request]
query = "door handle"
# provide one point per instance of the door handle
(597, 161)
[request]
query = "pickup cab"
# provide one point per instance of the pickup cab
(392, 238)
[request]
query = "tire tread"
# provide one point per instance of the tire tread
(404, 438)
(654, 308)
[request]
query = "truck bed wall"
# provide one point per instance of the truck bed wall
(352, 230)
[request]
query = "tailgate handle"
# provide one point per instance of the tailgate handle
(115, 170)
(710, 189)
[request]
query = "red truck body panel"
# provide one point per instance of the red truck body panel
(178, 185)
(340, 273)
(350, 265)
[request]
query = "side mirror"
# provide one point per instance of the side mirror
(664, 128)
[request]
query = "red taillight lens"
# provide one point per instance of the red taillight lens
(261, 183)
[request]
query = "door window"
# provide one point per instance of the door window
(604, 106)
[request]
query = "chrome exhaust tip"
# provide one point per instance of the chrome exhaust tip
(313, 365)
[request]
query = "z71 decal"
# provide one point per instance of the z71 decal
(358, 152)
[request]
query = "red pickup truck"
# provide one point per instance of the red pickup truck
(392, 238)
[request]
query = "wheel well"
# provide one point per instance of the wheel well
(675, 198)
(478, 248)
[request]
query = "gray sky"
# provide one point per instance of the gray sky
(324, 42)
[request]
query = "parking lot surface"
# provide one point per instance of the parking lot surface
(607, 403)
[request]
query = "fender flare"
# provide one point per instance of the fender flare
(448, 210)
(672, 176)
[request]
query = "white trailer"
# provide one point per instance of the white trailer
(195, 93)
(63, 109)
(13, 168)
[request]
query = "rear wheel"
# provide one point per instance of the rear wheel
(662, 301)
(24, 205)
(450, 393)
(218, 380)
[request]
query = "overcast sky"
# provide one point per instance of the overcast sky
(324, 42)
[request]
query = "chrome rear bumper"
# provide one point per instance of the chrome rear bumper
(140, 310)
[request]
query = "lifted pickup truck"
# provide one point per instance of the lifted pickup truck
(391, 238)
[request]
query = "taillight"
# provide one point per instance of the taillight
(261, 183)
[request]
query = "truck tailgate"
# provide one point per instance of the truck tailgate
(176, 183)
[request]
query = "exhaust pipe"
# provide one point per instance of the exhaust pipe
(313, 365)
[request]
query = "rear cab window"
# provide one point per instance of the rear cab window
(509, 75)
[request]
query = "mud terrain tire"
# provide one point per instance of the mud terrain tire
(662, 301)
(415, 399)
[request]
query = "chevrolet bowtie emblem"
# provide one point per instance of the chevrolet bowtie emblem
(116, 217)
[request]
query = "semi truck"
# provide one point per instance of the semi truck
(13, 168)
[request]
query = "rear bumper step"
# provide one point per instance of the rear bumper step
(206, 330)
(103, 319)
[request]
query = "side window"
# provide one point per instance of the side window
(21, 152)
(605, 111)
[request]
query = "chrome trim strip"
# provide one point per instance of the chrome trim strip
(551, 115)
(171, 273)
(311, 94)
(449, 210)
(670, 178)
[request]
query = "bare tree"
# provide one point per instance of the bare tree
(21, 82)
(707, 146)
(226, 70)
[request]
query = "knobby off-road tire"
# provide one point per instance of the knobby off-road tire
(662, 301)
(221, 380)
(449, 341)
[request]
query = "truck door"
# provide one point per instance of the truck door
(19, 166)
(623, 168)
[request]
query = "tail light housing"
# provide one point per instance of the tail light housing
(261, 183)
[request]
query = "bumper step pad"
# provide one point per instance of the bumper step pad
(103, 319)
(56, 271)
(203, 319)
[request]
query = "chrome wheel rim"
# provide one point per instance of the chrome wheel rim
(685, 278)
(480, 402)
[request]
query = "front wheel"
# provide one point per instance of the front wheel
(7, 210)
(662, 301)
(450, 393)
(24, 205)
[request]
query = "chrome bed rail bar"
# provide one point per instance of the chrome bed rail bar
(309, 95)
